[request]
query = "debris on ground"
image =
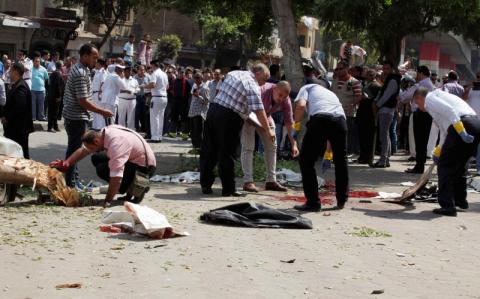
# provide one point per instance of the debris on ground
(20, 171)
(288, 261)
(367, 232)
(255, 215)
(387, 195)
(289, 177)
(188, 177)
(69, 286)
(407, 184)
(377, 292)
(474, 183)
(140, 220)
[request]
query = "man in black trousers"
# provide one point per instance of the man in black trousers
(17, 112)
(422, 121)
(459, 137)
(327, 123)
(238, 95)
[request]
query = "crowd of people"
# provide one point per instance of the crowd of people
(361, 112)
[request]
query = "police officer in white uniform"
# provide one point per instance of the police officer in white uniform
(459, 138)
(158, 85)
(97, 82)
(127, 100)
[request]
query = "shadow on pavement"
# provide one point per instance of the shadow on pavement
(399, 214)
(195, 194)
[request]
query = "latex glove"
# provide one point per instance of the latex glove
(436, 154)
(327, 161)
(326, 165)
(467, 138)
(62, 165)
(297, 126)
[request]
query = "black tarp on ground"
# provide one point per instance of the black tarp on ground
(255, 215)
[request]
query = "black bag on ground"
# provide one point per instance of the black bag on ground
(255, 215)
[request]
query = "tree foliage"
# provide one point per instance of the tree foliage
(168, 47)
(387, 22)
(107, 12)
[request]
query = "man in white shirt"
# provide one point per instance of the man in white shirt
(98, 79)
(158, 85)
(327, 122)
(51, 65)
(459, 139)
(128, 49)
(28, 65)
(112, 86)
(127, 100)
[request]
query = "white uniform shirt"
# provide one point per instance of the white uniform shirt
(132, 86)
(3, 93)
(28, 65)
(128, 48)
(51, 67)
(98, 79)
(320, 101)
(446, 109)
(111, 88)
(161, 83)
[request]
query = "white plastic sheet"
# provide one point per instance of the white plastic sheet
(10, 148)
(142, 220)
(188, 177)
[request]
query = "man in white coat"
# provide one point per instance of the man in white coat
(111, 88)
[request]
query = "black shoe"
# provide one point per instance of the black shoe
(362, 161)
(233, 194)
(207, 190)
(379, 165)
(411, 159)
(308, 208)
(341, 203)
(462, 204)
(452, 212)
(387, 164)
(415, 170)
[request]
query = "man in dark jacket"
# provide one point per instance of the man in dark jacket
(56, 87)
(182, 88)
(17, 114)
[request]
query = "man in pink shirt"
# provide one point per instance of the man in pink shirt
(275, 98)
(117, 154)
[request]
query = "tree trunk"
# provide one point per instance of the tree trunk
(391, 49)
(287, 29)
(21, 171)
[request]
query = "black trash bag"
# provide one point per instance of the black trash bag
(255, 215)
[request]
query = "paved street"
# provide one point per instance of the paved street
(43, 246)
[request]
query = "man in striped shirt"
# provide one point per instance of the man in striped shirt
(239, 95)
(349, 91)
(77, 103)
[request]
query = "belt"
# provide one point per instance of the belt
(318, 115)
(159, 96)
(27, 79)
(469, 116)
(127, 99)
(97, 91)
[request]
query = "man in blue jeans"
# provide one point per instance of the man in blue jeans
(39, 78)
(76, 106)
